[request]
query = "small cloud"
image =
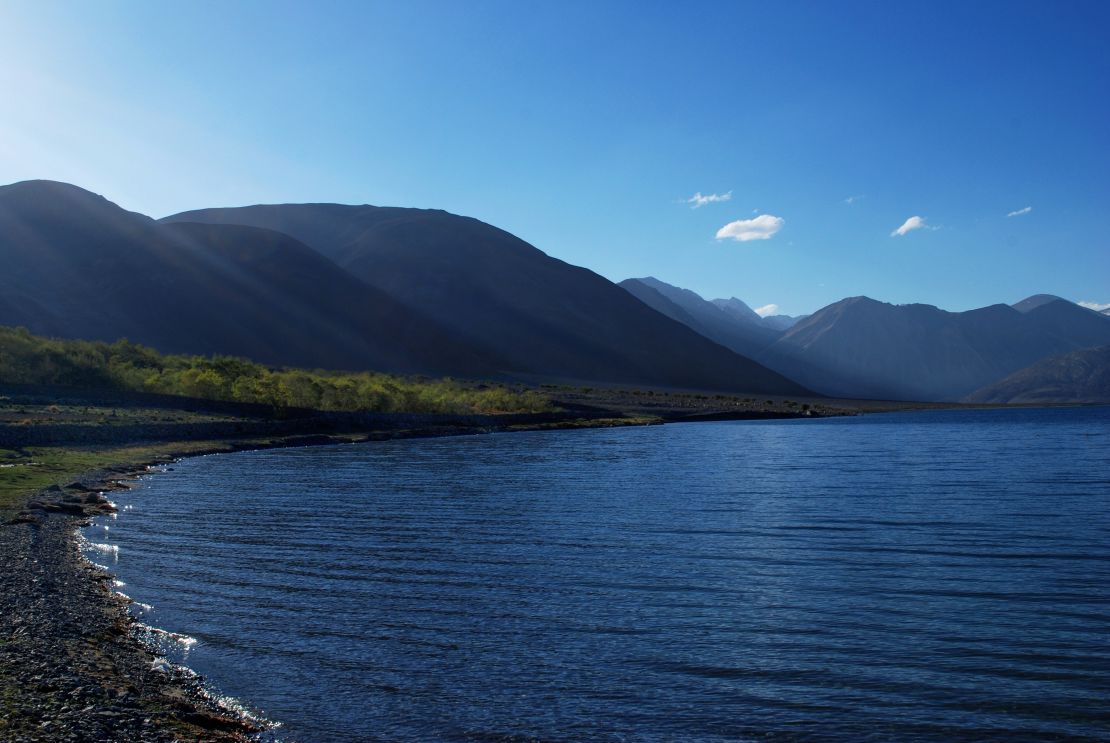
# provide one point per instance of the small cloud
(1096, 306)
(1019, 212)
(758, 228)
(911, 224)
(767, 310)
(853, 199)
(699, 200)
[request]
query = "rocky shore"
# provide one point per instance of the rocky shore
(71, 665)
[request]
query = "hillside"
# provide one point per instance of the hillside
(546, 318)
(78, 266)
(1079, 376)
(722, 325)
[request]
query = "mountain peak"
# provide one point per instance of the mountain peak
(738, 309)
(45, 189)
(1035, 301)
(56, 199)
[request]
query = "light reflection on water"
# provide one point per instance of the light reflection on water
(913, 576)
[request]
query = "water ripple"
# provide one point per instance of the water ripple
(924, 576)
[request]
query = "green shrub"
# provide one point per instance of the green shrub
(29, 359)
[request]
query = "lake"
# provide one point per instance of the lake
(911, 576)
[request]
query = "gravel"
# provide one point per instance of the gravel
(71, 665)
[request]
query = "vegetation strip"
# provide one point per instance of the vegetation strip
(31, 359)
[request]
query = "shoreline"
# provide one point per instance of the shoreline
(73, 665)
(90, 675)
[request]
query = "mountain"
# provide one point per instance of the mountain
(654, 299)
(78, 266)
(741, 311)
(1079, 376)
(1035, 301)
(860, 347)
(706, 318)
(544, 317)
(738, 309)
(782, 323)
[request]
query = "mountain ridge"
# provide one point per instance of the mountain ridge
(869, 348)
(543, 315)
(78, 265)
(1078, 376)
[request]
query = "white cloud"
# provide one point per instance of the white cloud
(767, 310)
(700, 200)
(1096, 306)
(757, 228)
(1019, 212)
(911, 224)
(853, 199)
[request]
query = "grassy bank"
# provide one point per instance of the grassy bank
(122, 365)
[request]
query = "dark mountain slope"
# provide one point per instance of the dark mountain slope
(708, 319)
(544, 316)
(78, 266)
(652, 298)
(1079, 376)
(859, 347)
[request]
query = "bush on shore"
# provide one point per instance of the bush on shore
(122, 365)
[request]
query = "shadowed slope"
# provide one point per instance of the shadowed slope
(78, 266)
(722, 325)
(1079, 376)
(545, 316)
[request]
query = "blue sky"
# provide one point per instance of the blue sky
(583, 127)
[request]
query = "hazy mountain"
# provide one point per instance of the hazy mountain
(859, 347)
(655, 299)
(782, 323)
(544, 316)
(705, 317)
(75, 265)
(1079, 376)
(1037, 300)
(739, 310)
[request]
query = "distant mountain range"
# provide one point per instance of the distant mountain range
(862, 348)
(865, 348)
(427, 292)
(729, 327)
(1079, 376)
(345, 287)
(742, 311)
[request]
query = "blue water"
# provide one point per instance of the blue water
(931, 576)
